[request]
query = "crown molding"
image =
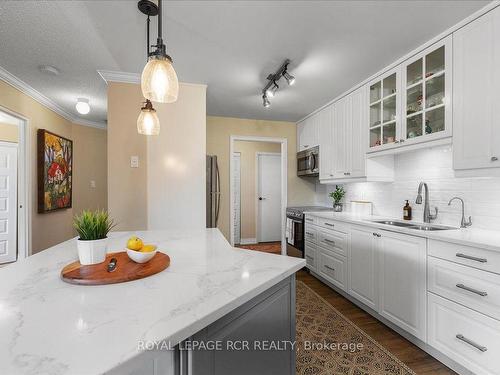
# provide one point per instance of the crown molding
(125, 77)
(46, 102)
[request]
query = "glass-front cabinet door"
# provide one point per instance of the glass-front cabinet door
(426, 94)
(384, 102)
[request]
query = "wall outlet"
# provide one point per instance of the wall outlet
(92, 184)
(134, 162)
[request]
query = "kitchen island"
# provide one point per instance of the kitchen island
(211, 293)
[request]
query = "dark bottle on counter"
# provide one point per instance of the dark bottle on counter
(407, 211)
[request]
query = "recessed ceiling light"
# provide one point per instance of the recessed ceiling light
(82, 106)
(49, 69)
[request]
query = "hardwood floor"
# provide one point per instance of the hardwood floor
(415, 358)
(266, 247)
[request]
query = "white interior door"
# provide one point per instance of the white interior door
(237, 196)
(8, 202)
(269, 197)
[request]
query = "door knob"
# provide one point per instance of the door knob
(494, 158)
(261, 198)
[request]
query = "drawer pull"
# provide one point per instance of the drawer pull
(330, 268)
(471, 343)
(309, 219)
(329, 241)
(310, 234)
(377, 234)
(470, 257)
(462, 286)
(329, 225)
(309, 257)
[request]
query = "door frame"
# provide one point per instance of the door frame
(257, 211)
(24, 185)
(284, 179)
(237, 155)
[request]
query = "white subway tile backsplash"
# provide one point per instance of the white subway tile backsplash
(434, 166)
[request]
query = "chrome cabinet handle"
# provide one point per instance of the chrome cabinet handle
(471, 343)
(330, 268)
(396, 141)
(309, 234)
(329, 225)
(347, 173)
(306, 146)
(377, 234)
(462, 286)
(401, 140)
(309, 257)
(470, 257)
(328, 241)
(331, 175)
(494, 158)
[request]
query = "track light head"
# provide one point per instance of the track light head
(265, 101)
(289, 78)
(271, 91)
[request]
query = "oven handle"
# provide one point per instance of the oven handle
(312, 161)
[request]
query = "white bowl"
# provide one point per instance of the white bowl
(140, 257)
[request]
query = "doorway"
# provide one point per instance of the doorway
(14, 182)
(258, 170)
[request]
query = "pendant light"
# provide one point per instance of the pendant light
(159, 81)
(148, 122)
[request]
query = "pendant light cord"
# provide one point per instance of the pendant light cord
(160, 39)
(147, 42)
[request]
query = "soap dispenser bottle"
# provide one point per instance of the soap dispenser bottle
(407, 211)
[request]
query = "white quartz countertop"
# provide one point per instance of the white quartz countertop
(486, 239)
(48, 326)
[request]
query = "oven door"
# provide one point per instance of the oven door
(295, 248)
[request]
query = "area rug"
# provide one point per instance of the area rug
(329, 344)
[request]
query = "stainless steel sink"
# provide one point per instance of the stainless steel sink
(423, 227)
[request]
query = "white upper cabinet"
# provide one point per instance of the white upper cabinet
(476, 93)
(326, 149)
(357, 136)
(307, 132)
(426, 82)
(342, 109)
(385, 105)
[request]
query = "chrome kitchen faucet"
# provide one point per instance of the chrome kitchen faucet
(427, 212)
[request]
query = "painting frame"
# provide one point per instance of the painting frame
(54, 171)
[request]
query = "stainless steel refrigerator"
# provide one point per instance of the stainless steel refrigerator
(213, 191)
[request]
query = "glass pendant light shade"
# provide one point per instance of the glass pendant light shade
(148, 122)
(159, 81)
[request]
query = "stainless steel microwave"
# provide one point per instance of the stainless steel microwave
(308, 162)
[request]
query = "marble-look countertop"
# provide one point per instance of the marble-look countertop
(48, 326)
(486, 239)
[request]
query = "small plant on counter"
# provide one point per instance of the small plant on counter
(337, 195)
(93, 228)
(93, 225)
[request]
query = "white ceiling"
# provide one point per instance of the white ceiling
(229, 45)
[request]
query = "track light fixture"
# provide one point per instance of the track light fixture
(270, 89)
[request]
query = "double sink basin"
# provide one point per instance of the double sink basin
(424, 227)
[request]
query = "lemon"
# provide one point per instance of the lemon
(135, 243)
(148, 248)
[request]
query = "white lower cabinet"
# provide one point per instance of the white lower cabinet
(466, 336)
(363, 266)
(402, 281)
(311, 256)
(333, 268)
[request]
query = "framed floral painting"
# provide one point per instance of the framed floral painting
(55, 169)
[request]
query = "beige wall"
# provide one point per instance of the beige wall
(219, 129)
(9, 133)
(52, 228)
(175, 184)
(248, 151)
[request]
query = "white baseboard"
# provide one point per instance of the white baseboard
(248, 241)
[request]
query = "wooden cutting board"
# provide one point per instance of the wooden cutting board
(126, 270)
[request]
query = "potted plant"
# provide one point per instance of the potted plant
(337, 195)
(93, 228)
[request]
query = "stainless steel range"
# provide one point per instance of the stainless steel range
(295, 228)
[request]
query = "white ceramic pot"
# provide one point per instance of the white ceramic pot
(92, 252)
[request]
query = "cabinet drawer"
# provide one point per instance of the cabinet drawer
(468, 337)
(334, 241)
(311, 233)
(468, 286)
(310, 219)
(311, 255)
(333, 268)
(471, 256)
(333, 225)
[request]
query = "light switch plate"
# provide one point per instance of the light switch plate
(134, 162)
